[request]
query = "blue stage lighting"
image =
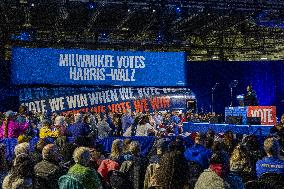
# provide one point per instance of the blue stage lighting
(23, 36)
(178, 10)
(91, 5)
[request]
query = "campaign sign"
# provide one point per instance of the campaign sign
(100, 100)
(266, 113)
(97, 67)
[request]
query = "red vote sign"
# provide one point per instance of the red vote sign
(267, 114)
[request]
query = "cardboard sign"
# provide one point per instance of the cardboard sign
(266, 113)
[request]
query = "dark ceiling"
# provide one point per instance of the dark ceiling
(205, 29)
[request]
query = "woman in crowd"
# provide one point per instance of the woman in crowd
(12, 129)
(126, 145)
(173, 170)
(60, 125)
(47, 131)
(103, 127)
(22, 148)
(144, 128)
(117, 124)
(135, 166)
(229, 142)
(81, 172)
(154, 162)
(117, 151)
(21, 174)
(218, 175)
(240, 163)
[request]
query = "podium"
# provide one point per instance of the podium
(238, 111)
(267, 114)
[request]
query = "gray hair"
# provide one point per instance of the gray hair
(78, 118)
(22, 148)
(81, 155)
(59, 120)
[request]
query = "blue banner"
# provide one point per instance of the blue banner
(96, 67)
(100, 100)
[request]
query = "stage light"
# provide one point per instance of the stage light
(178, 10)
(154, 10)
(129, 10)
(91, 5)
(23, 36)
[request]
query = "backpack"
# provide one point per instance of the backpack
(106, 166)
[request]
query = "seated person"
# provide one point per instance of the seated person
(271, 163)
(47, 172)
(198, 153)
(88, 177)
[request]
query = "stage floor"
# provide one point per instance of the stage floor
(261, 130)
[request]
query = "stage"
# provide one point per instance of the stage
(260, 130)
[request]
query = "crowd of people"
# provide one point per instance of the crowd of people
(28, 124)
(200, 160)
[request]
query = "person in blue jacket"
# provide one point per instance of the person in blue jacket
(79, 128)
(127, 120)
(198, 153)
(271, 163)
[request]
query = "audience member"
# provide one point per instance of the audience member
(127, 120)
(154, 162)
(217, 175)
(10, 128)
(80, 171)
(47, 131)
(22, 148)
(144, 128)
(198, 153)
(240, 163)
(173, 171)
(3, 163)
(116, 151)
(271, 163)
(78, 128)
(21, 174)
(60, 125)
(48, 171)
(135, 166)
(103, 127)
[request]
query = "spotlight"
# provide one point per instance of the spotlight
(178, 10)
(154, 10)
(23, 36)
(129, 10)
(91, 5)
